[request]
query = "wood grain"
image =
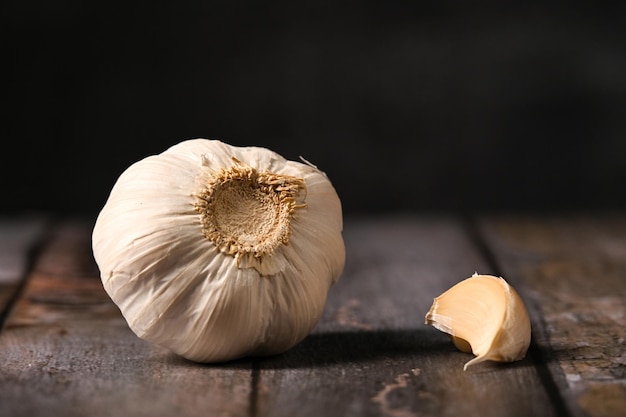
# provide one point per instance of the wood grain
(573, 272)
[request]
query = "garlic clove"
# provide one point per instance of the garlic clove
(485, 316)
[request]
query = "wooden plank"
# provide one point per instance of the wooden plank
(573, 271)
(66, 351)
(372, 355)
(18, 236)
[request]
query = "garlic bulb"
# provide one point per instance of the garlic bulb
(484, 315)
(218, 252)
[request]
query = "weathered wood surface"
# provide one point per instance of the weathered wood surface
(65, 350)
(572, 270)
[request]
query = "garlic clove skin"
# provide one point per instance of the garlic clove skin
(217, 252)
(485, 316)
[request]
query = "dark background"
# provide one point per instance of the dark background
(407, 106)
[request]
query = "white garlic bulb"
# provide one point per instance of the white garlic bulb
(218, 252)
(485, 316)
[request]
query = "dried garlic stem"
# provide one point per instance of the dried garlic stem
(247, 213)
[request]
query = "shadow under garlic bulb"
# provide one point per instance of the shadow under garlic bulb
(218, 252)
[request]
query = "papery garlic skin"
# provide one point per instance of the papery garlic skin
(208, 298)
(485, 316)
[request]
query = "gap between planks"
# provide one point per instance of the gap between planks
(21, 239)
(541, 353)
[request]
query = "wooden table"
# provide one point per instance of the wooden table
(66, 351)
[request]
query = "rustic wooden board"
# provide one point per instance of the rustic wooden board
(372, 355)
(65, 349)
(572, 269)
